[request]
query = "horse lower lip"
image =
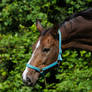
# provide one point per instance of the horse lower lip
(29, 83)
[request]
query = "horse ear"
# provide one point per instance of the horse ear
(55, 31)
(39, 26)
(56, 27)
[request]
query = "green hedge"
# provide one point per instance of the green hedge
(18, 33)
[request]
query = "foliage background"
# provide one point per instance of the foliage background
(17, 34)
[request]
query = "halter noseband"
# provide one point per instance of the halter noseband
(59, 59)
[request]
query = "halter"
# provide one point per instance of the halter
(59, 59)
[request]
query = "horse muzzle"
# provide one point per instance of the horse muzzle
(30, 78)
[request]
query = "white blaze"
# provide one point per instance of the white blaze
(26, 70)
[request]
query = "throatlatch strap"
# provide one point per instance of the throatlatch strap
(60, 50)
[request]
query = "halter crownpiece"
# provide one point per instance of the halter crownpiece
(59, 59)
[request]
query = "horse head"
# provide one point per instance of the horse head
(45, 52)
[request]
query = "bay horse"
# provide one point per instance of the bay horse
(76, 32)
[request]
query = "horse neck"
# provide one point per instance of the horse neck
(77, 33)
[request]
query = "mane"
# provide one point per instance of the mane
(87, 14)
(46, 31)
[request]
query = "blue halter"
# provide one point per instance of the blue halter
(51, 65)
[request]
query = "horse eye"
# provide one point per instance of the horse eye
(46, 49)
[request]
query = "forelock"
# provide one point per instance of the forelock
(47, 31)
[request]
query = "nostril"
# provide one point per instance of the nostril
(28, 79)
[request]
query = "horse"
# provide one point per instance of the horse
(76, 32)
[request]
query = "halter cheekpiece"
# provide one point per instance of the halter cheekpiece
(59, 59)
